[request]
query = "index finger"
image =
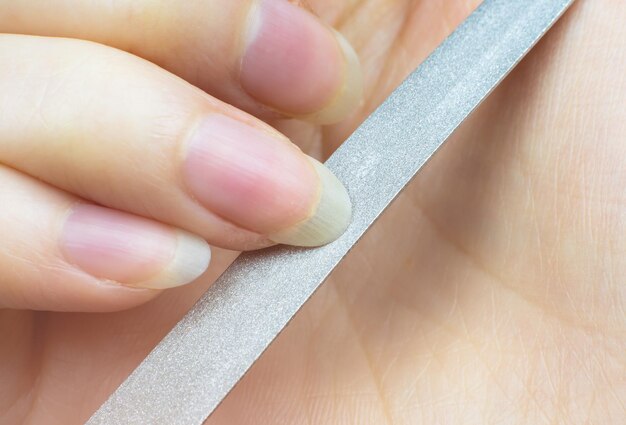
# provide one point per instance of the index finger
(268, 57)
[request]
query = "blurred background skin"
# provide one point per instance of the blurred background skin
(493, 291)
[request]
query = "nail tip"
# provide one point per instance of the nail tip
(191, 260)
(330, 220)
(351, 93)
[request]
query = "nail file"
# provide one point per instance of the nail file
(196, 365)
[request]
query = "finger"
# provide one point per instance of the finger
(119, 131)
(58, 253)
(254, 54)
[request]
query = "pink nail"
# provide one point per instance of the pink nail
(131, 250)
(292, 62)
(250, 177)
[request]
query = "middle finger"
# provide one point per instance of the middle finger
(114, 129)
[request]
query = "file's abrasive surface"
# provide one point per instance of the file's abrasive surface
(195, 366)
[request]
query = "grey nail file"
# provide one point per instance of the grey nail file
(196, 365)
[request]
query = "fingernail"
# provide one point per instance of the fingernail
(131, 250)
(258, 180)
(328, 219)
(296, 65)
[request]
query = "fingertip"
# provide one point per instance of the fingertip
(259, 180)
(191, 259)
(128, 250)
(296, 65)
(350, 94)
(329, 218)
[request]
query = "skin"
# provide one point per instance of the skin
(491, 292)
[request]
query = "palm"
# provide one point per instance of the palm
(490, 290)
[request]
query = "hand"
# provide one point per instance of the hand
(113, 167)
(491, 291)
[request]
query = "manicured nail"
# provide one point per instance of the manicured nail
(131, 250)
(258, 180)
(328, 219)
(295, 64)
